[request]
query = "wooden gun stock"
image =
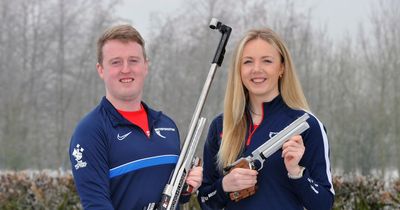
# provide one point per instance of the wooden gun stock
(239, 195)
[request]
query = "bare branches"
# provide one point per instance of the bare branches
(44, 56)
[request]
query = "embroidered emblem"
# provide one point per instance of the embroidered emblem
(205, 198)
(313, 188)
(123, 136)
(272, 134)
(158, 131)
(78, 154)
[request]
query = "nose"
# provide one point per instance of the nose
(125, 68)
(257, 66)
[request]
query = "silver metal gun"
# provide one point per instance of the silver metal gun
(264, 151)
(175, 185)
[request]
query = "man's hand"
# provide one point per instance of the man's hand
(239, 179)
(195, 177)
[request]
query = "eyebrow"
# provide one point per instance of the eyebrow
(130, 57)
(134, 56)
(267, 56)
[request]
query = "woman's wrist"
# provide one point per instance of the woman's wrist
(223, 184)
(296, 174)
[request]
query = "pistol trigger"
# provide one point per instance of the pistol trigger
(262, 165)
(251, 166)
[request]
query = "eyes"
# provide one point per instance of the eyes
(116, 62)
(248, 61)
(119, 62)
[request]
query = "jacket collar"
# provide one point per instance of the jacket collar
(273, 106)
(118, 119)
(269, 107)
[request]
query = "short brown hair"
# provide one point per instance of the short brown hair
(123, 33)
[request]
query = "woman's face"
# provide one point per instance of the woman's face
(261, 67)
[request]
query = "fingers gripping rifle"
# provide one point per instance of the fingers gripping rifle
(173, 189)
(264, 151)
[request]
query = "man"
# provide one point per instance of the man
(123, 152)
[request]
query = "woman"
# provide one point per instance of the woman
(263, 96)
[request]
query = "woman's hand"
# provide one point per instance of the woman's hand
(292, 152)
(239, 179)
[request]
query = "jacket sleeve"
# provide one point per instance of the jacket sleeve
(89, 160)
(211, 195)
(315, 188)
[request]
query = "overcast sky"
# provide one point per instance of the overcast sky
(338, 16)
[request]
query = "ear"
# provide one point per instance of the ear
(100, 70)
(282, 70)
(146, 67)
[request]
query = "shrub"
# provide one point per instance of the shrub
(365, 193)
(54, 189)
(38, 190)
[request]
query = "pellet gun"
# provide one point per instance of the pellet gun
(256, 160)
(174, 187)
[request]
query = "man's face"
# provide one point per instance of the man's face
(123, 70)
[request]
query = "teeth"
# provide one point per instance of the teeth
(126, 80)
(258, 80)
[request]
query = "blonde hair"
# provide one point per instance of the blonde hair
(236, 95)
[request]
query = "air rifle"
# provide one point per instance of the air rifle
(174, 187)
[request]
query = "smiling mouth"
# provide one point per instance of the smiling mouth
(126, 80)
(258, 80)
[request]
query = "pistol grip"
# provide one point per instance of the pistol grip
(239, 195)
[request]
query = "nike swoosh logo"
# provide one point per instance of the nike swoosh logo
(123, 136)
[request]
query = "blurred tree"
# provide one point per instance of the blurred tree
(47, 70)
(380, 50)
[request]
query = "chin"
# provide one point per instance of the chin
(129, 97)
